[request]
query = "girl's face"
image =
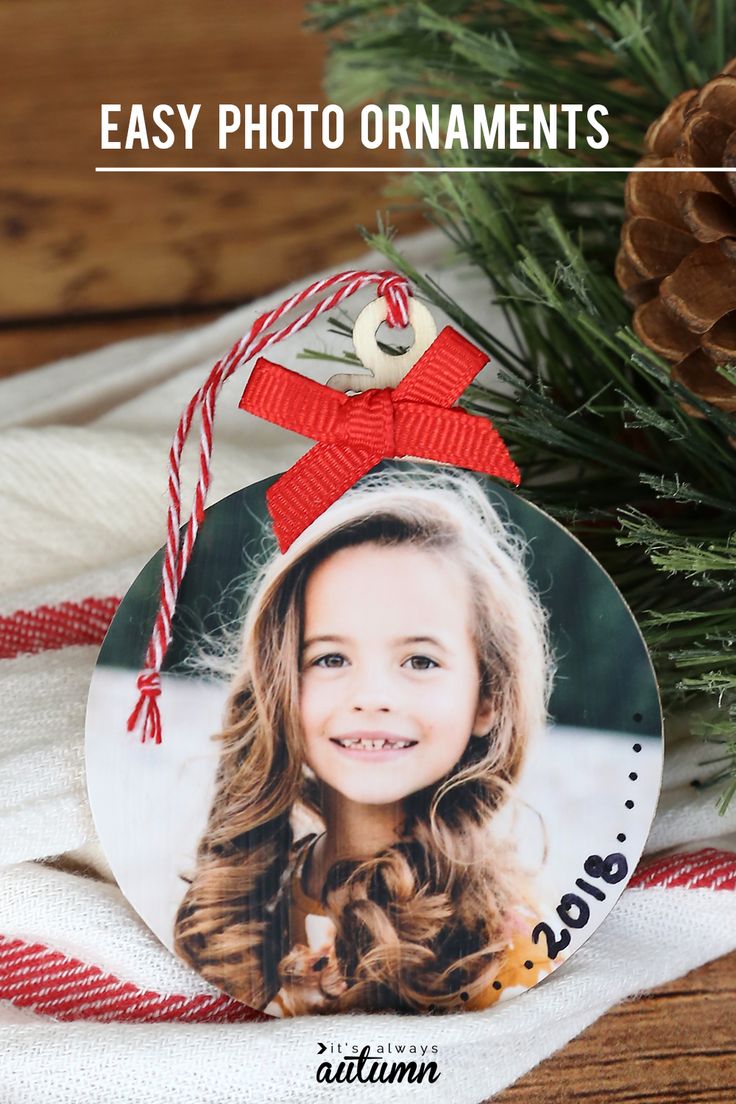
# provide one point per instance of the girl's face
(389, 672)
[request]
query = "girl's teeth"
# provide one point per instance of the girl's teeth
(374, 745)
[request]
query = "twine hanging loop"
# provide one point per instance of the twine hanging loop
(178, 551)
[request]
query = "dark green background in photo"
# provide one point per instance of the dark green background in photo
(604, 676)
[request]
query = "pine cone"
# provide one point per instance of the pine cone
(677, 261)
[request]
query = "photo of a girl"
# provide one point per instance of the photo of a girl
(394, 669)
(408, 764)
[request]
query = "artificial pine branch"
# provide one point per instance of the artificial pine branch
(592, 416)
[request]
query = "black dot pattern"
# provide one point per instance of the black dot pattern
(633, 777)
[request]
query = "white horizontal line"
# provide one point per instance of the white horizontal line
(398, 169)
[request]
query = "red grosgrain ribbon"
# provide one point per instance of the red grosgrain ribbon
(354, 432)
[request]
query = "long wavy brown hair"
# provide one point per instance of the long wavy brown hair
(426, 919)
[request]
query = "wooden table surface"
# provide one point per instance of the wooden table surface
(86, 259)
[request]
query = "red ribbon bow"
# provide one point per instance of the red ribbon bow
(356, 432)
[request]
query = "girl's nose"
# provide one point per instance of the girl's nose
(372, 694)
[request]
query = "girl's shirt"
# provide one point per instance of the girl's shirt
(311, 960)
(313, 947)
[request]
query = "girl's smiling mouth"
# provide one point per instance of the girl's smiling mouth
(372, 742)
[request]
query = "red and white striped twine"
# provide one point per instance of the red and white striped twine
(261, 336)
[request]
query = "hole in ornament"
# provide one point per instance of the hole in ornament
(497, 985)
(528, 965)
(637, 747)
(621, 837)
(633, 776)
(629, 804)
(464, 996)
(395, 342)
(638, 718)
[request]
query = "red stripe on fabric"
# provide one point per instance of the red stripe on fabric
(47, 628)
(53, 984)
(707, 868)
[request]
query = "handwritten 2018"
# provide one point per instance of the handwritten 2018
(573, 909)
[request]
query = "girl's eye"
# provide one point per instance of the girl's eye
(420, 663)
(331, 660)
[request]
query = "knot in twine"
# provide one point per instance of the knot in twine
(149, 688)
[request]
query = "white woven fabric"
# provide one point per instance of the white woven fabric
(82, 501)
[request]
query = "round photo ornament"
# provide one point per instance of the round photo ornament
(375, 733)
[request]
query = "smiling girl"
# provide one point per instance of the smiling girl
(393, 670)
